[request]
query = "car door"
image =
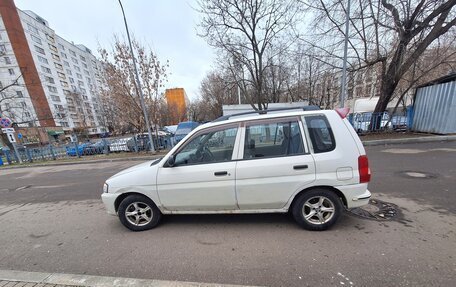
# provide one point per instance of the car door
(275, 163)
(203, 175)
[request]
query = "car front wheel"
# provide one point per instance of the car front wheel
(138, 213)
(317, 209)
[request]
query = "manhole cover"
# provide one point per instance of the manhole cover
(418, 174)
(377, 210)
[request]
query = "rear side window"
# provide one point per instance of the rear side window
(320, 133)
(272, 140)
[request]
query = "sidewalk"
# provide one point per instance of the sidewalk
(9, 278)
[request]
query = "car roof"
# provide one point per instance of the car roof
(254, 117)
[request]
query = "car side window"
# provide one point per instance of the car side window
(320, 133)
(272, 140)
(209, 147)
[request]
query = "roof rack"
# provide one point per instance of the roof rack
(264, 112)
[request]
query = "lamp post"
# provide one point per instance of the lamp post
(138, 83)
(343, 88)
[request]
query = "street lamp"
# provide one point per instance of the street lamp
(138, 83)
(343, 88)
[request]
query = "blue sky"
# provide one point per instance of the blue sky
(167, 26)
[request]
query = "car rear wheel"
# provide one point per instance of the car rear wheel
(317, 209)
(138, 213)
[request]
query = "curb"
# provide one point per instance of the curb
(94, 281)
(410, 140)
(144, 158)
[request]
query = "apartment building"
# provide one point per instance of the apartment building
(51, 82)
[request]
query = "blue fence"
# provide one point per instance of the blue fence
(132, 144)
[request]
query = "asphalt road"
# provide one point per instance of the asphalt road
(52, 220)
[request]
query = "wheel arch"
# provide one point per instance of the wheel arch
(121, 197)
(327, 187)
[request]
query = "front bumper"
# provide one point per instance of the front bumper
(356, 194)
(109, 199)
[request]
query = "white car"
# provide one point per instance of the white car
(309, 163)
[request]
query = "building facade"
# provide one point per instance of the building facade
(46, 81)
(177, 101)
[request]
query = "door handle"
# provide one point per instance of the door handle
(220, 173)
(305, 166)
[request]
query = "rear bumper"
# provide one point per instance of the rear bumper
(108, 200)
(356, 195)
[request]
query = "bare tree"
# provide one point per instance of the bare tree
(119, 94)
(392, 34)
(250, 36)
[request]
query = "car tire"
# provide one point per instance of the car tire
(317, 209)
(138, 213)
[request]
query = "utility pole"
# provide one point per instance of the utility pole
(138, 83)
(343, 91)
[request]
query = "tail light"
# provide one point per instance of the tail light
(364, 171)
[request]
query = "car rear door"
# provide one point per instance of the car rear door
(274, 163)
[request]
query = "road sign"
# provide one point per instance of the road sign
(8, 130)
(19, 136)
(11, 137)
(5, 122)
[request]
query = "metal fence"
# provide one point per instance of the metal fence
(369, 122)
(55, 151)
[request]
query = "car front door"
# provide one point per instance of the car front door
(203, 175)
(275, 164)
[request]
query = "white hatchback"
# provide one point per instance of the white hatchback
(310, 163)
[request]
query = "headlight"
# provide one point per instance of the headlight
(105, 187)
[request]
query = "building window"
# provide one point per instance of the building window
(27, 114)
(53, 48)
(50, 39)
(19, 94)
(82, 58)
(11, 72)
(79, 76)
(64, 55)
(71, 80)
(32, 29)
(74, 60)
(23, 104)
(39, 50)
(2, 49)
(61, 75)
(58, 66)
(77, 68)
(36, 39)
(66, 64)
(55, 98)
(56, 57)
(52, 89)
(72, 53)
(7, 60)
(69, 72)
(46, 69)
(87, 72)
(61, 46)
(80, 83)
(42, 60)
(49, 80)
(84, 65)
(64, 84)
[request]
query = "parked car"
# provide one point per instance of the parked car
(183, 129)
(362, 121)
(119, 145)
(398, 122)
(309, 163)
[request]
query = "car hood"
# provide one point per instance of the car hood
(133, 168)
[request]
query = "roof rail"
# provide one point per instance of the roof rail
(264, 112)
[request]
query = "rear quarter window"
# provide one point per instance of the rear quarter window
(320, 133)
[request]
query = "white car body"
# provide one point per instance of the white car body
(257, 185)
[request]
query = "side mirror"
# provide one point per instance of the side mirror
(170, 162)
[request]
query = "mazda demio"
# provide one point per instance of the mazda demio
(308, 162)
